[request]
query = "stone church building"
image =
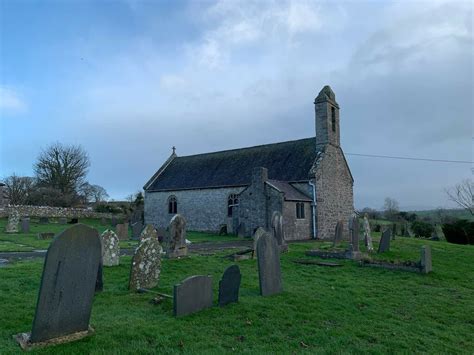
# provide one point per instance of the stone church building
(307, 180)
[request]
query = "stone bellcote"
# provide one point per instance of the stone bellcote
(327, 118)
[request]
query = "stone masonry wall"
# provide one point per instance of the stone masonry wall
(296, 229)
(52, 212)
(334, 191)
(204, 209)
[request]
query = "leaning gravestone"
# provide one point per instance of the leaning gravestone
(277, 231)
(110, 248)
(269, 272)
(121, 230)
(425, 263)
(229, 285)
(137, 228)
(177, 237)
(13, 220)
(258, 233)
(192, 295)
(146, 262)
(385, 241)
(25, 225)
(338, 233)
(67, 289)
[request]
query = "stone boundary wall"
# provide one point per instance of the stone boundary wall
(53, 212)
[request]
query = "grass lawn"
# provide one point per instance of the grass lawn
(30, 241)
(322, 310)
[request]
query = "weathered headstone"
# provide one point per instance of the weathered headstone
(121, 230)
(384, 244)
(367, 235)
(192, 295)
(110, 248)
(13, 220)
(63, 220)
(137, 228)
(277, 231)
(425, 263)
(25, 225)
(229, 285)
(258, 233)
(354, 232)
(268, 259)
(43, 220)
(177, 237)
(67, 288)
(338, 232)
(146, 262)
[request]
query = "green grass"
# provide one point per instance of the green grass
(322, 310)
(30, 241)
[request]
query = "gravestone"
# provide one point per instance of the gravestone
(67, 288)
(338, 231)
(229, 285)
(121, 230)
(43, 220)
(63, 220)
(137, 228)
(177, 237)
(277, 231)
(385, 241)
(354, 231)
(113, 221)
(268, 259)
(110, 248)
(425, 263)
(25, 225)
(258, 233)
(367, 235)
(192, 295)
(146, 262)
(13, 220)
(163, 235)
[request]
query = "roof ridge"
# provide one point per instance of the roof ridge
(244, 148)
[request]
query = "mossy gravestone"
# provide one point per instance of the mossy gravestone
(110, 248)
(269, 272)
(67, 288)
(229, 285)
(13, 220)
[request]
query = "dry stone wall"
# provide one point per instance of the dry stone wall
(52, 212)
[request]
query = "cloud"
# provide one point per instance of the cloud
(11, 101)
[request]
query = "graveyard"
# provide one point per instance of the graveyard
(319, 309)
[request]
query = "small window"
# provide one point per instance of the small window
(232, 201)
(172, 205)
(333, 119)
(300, 210)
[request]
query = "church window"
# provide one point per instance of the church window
(172, 205)
(232, 201)
(300, 210)
(333, 119)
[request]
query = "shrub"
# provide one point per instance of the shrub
(460, 232)
(106, 208)
(377, 228)
(422, 229)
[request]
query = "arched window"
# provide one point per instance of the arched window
(300, 210)
(232, 201)
(172, 205)
(333, 119)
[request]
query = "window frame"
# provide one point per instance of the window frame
(172, 205)
(300, 210)
(232, 201)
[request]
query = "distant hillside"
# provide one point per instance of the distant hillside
(434, 214)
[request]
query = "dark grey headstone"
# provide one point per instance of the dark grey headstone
(192, 295)
(67, 285)
(229, 285)
(338, 232)
(269, 273)
(25, 225)
(385, 241)
(43, 220)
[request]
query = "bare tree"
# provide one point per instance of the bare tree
(62, 167)
(92, 193)
(99, 194)
(463, 195)
(390, 207)
(19, 188)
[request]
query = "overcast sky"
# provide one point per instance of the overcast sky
(127, 80)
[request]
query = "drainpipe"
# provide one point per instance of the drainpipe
(313, 208)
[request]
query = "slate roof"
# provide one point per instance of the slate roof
(286, 161)
(290, 192)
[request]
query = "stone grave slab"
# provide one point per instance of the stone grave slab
(268, 260)
(192, 295)
(229, 285)
(425, 263)
(385, 241)
(146, 262)
(177, 237)
(67, 288)
(110, 248)
(25, 225)
(338, 233)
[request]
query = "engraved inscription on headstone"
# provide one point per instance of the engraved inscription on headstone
(192, 295)
(229, 285)
(269, 272)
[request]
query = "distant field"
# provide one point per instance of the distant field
(434, 214)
